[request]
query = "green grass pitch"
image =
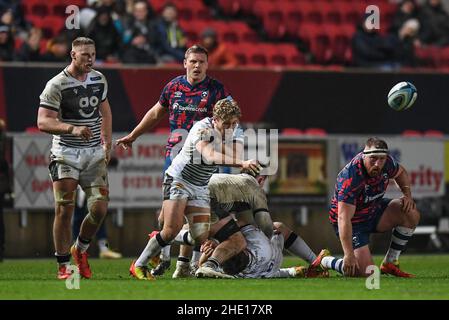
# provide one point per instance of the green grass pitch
(35, 279)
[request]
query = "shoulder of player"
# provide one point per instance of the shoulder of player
(96, 75)
(176, 80)
(60, 80)
(215, 83)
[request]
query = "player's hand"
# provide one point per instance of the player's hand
(407, 204)
(208, 247)
(252, 166)
(83, 132)
(125, 142)
(350, 265)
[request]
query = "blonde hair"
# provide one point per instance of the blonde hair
(80, 41)
(226, 109)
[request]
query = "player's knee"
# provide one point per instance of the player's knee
(199, 225)
(169, 233)
(413, 217)
(65, 199)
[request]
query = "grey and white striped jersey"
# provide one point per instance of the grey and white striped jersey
(77, 103)
(189, 164)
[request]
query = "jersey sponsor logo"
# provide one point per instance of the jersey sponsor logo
(189, 107)
(377, 196)
(178, 94)
(204, 94)
(67, 83)
(95, 78)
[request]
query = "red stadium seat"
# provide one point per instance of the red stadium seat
(311, 12)
(318, 41)
(294, 57)
(272, 18)
(293, 17)
(229, 7)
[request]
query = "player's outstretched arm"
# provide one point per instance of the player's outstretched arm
(47, 121)
(106, 128)
(151, 118)
(210, 155)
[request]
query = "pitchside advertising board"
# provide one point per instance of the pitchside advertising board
(135, 181)
(424, 160)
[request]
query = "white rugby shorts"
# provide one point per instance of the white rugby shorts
(87, 165)
(177, 188)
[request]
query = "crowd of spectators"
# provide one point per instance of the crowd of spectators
(414, 26)
(131, 31)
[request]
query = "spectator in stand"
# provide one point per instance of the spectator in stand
(29, 51)
(6, 43)
(407, 10)
(408, 41)
(170, 38)
(219, 54)
(105, 35)
(141, 32)
(11, 15)
(372, 50)
(57, 50)
(434, 24)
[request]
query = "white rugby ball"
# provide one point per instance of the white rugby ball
(402, 96)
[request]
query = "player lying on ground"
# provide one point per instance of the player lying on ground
(262, 257)
(237, 193)
(185, 184)
(359, 208)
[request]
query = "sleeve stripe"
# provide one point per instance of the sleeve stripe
(46, 106)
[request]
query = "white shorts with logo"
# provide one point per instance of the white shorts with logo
(177, 188)
(87, 165)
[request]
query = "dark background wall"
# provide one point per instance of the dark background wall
(339, 102)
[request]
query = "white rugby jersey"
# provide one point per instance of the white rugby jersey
(188, 163)
(77, 103)
(265, 255)
(227, 189)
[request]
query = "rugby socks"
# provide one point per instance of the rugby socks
(184, 237)
(153, 247)
(296, 245)
(103, 245)
(165, 253)
(399, 238)
(182, 261)
(82, 244)
(212, 263)
(196, 255)
(63, 259)
(333, 263)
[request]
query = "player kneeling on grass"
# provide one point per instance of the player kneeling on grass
(262, 257)
(185, 182)
(359, 208)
